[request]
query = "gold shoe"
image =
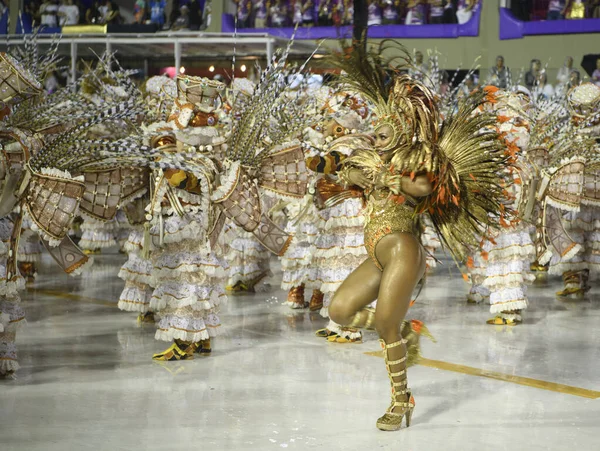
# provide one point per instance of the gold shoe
(575, 283)
(316, 301)
(237, 287)
(402, 398)
(502, 321)
(296, 298)
(345, 338)
(180, 350)
(571, 292)
(325, 333)
(28, 271)
(537, 267)
(392, 421)
(92, 251)
(147, 318)
(204, 348)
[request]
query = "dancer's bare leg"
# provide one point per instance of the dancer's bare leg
(403, 261)
(356, 292)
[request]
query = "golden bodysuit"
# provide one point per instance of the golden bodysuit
(387, 215)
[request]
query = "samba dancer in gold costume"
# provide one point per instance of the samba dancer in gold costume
(412, 167)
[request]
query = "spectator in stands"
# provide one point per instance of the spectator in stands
(391, 11)
(450, 7)
(296, 12)
(49, 13)
(556, 9)
(543, 90)
(595, 9)
(68, 13)
(521, 9)
(349, 12)
(195, 14)
(259, 12)
(338, 13)
(103, 8)
(531, 77)
(140, 11)
(464, 10)
(436, 11)
(93, 16)
(471, 84)
(416, 13)
(157, 12)
(574, 79)
(278, 13)
(445, 83)
(32, 9)
(243, 9)
(183, 20)
(596, 73)
(324, 15)
(374, 10)
(82, 10)
(564, 73)
(576, 9)
(499, 75)
(174, 14)
(308, 13)
(419, 69)
(113, 15)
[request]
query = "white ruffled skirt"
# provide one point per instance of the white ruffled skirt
(188, 282)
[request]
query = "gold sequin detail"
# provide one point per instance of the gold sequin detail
(386, 217)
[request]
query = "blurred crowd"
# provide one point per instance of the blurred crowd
(536, 78)
(309, 13)
(184, 14)
(59, 13)
(534, 10)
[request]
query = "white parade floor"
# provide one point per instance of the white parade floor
(87, 380)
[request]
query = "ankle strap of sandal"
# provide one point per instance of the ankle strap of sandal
(402, 404)
(396, 362)
(395, 344)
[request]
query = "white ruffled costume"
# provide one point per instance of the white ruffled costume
(339, 245)
(12, 315)
(137, 274)
(582, 263)
(509, 257)
(137, 270)
(297, 263)
(187, 275)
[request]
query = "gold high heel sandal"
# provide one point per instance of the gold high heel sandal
(401, 396)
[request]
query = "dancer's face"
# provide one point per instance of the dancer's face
(384, 136)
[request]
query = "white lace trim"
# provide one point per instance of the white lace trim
(53, 172)
(228, 181)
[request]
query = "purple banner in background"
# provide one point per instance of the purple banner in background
(449, 31)
(513, 28)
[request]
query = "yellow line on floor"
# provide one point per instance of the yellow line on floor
(71, 296)
(527, 381)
